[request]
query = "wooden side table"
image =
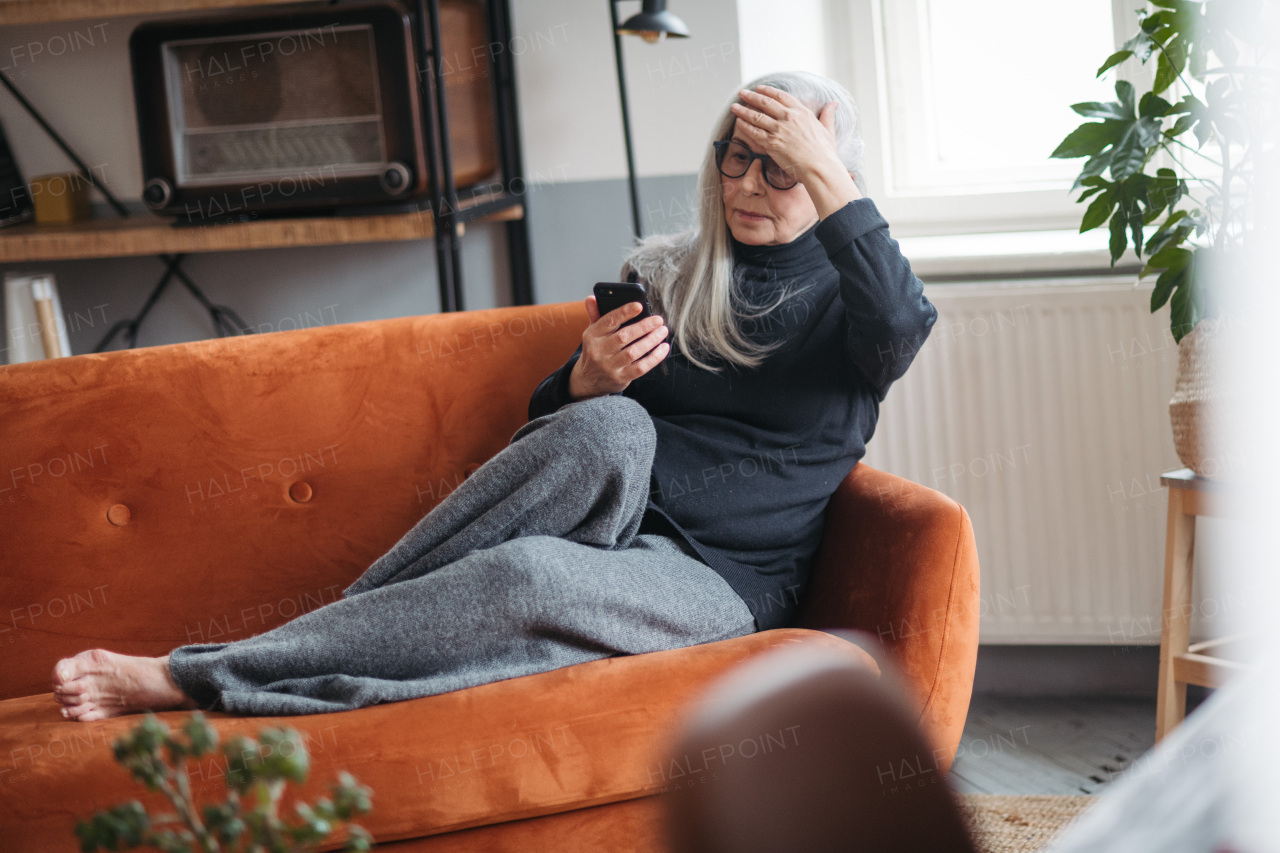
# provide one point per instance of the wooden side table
(1181, 661)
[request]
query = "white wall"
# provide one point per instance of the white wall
(802, 49)
(571, 117)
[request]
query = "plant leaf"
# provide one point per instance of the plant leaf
(1183, 315)
(1086, 140)
(1164, 288)
(1155, 21)
(1147, 131)
(1165, 74)
(1135, 229)
(1093, 167)
(1124, 91)
(1118, 237)
(1199, 59)
(1181, 126)
(1203, 131)
(1100, 109)
(1140, 45)
(1160, 190)
(1098, 212)
(1170, 258)
(1152, 105)
(1188, 104)
(1127, 159)
(1114, 60)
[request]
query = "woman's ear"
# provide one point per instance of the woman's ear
(827, 116)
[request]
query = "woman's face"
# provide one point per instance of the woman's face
(760, 215)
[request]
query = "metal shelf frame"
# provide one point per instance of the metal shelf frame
(445, 208)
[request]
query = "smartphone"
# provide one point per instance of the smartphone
(614, 294)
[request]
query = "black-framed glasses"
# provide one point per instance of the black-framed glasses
(733, 159)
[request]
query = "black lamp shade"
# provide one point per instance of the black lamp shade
(654, 22)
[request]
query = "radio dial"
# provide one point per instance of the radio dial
(395, 180)
(157, 193)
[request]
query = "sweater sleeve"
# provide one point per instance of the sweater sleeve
(887, 316)
(553, 392)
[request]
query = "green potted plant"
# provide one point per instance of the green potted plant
(249, 819)
(1179, 156)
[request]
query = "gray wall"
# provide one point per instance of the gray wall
(576, 201)
(581, 231)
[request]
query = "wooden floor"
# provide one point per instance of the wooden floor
(1050, 745)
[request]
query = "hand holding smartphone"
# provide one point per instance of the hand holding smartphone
(612, 358)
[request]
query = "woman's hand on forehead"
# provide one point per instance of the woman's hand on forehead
(803, 144)
(779, 124)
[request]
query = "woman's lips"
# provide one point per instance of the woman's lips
(752, 217)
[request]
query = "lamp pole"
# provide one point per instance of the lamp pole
(626, 123)
(653, 24)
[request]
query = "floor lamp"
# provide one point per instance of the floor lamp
(652, 24)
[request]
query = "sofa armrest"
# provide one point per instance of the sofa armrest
(898, 561)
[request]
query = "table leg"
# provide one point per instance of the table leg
(1175, 631)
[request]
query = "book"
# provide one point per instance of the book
(35, 326)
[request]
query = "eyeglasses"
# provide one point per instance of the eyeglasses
(733, 159)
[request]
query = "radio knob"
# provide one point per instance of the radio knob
(157, 193)
(395, 180)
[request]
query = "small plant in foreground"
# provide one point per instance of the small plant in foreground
(248, 820)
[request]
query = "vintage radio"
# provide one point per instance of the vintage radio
(298, 108)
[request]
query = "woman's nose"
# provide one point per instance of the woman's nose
(753, 181)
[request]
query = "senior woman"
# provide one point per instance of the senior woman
(670, 485)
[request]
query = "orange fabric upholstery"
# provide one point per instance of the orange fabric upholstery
(898, 561)
(209, 491)
(542, 744)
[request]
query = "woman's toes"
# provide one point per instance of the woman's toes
(69, 669)
(80, 712)
(63, 672)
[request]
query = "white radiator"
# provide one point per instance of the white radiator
(1042, 407)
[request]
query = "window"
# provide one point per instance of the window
(962, 101)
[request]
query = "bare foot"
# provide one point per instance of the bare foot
(98, 684)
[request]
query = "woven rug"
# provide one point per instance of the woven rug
(1019, 824)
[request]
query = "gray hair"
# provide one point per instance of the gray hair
(689, 275)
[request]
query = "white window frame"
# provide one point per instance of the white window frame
(858, 43)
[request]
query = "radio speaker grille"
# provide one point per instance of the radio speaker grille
(298, 99)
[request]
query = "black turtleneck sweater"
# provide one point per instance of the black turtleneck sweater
(747, 460)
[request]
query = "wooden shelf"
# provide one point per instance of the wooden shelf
(41, 11)
(153, 235)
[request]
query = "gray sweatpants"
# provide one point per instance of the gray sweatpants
(533, 563)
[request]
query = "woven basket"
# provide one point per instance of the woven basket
(1196, 410)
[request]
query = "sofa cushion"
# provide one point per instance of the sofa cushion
(566, 739)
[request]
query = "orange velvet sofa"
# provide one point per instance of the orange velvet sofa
(208, 491)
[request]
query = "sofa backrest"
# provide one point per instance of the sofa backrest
(209, 491)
